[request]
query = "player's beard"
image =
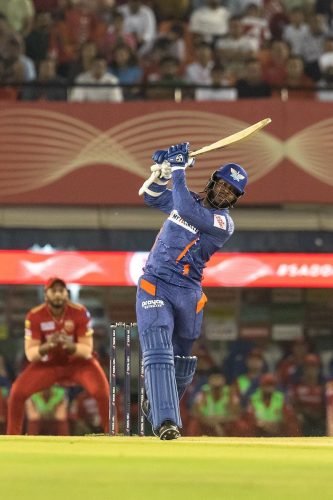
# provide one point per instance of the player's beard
(57, 304)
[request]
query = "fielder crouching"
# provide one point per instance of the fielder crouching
(170, 299)
(59, 348)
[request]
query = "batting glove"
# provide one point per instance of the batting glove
(178, 156)
(160, 156)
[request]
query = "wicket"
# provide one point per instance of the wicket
(127, 330)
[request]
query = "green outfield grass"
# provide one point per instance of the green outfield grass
(93, 468)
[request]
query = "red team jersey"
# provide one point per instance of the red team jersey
(309, 398)
(41, 325)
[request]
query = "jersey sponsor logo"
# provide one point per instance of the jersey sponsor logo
(69, 325)
(177, 219)
(46, 326)
(220, 221)
(149, 304)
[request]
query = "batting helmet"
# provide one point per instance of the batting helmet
(233, 174)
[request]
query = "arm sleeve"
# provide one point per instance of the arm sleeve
(83, 324)
(31, 330)
(194, 213)
(158, 196)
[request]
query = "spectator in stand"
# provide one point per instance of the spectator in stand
(20, 15)
(290, 368)
(48, 86)
(83, 64)
(209, 21)
(59, 348)
(151, 63)
(252, 84)
(139, 20)
(18, 67)
(218, 91)
(84, 415)
(5, 33)
(37, 43)
(306, 5)
(81, 22)
(199, 71)
(175, 34)
(255, 25)
(238, 7)
(46, 5)
(126, 69)
(274, 70)
(312, 45)
(326, 7)
(73, 27)
(172, 9)
(96, 76)
(7, 92)
(169, 79)
(325, 86)
(47, 412)
(294, 32)
(214, 412)
(115, 35)
(308, 398)
(278, 19)
(246, 384)
(326, 58)
(269, 414)
(235, 48)
(298, 84)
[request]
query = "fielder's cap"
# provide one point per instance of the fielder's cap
(233, 174)
(52, 281)
(312, 359)
(268, 379)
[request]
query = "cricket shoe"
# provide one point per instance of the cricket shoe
(168, 431)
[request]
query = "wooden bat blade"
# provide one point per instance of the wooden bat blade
(238, 136)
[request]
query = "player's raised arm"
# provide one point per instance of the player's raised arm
(157, 194)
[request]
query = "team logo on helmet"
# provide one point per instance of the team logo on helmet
(237, 176)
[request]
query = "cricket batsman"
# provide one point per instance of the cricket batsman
(170, 299)
(59, 347)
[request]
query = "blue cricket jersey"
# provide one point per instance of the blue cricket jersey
(189, 237)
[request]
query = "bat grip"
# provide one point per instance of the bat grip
(153, 176)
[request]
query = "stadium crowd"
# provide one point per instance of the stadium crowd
(211, 49)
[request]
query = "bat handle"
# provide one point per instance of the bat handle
(155, 169)
(153, 176)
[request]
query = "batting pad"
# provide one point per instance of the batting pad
(185, 367)
(160, 379)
